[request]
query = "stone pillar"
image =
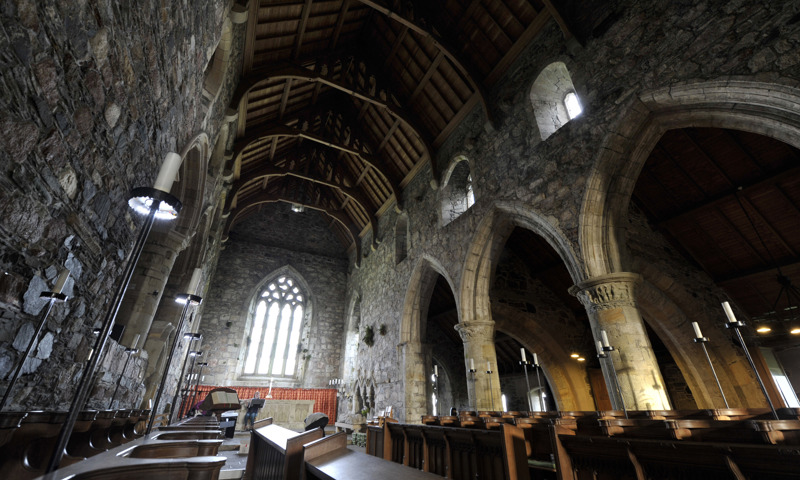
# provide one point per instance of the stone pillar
(610, 302)
(147, 285)
(478, 338)
(414, 381)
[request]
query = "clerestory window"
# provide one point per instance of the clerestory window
(573, 105)
(275, 333)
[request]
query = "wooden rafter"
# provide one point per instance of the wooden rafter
(266, 171)
(279, 130)
(296, 70)
(443, 46)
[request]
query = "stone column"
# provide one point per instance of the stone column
(478, 338)
(610, 302)
(415, 386)
(147, 285)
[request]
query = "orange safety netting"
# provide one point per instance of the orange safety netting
(324, 398)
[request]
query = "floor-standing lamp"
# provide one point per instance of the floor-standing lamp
(524, 362)
(52, 298)
(187, 299)
(191, 337)
(197, 381)
(155, 203)
(736, 325)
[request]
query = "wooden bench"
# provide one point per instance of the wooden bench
(173, 449)
(458, 453)
(122, 468)
(329, 459)
(277, 453)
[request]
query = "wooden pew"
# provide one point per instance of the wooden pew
(375, 441)
(465, 454)
(189, 435)
(9, 423)
(111, 467)
(89, 441)
(277, 453)
(330, 459)
(173, 449)
(26, 454)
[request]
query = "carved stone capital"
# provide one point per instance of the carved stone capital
(615, 290)
(476, 331)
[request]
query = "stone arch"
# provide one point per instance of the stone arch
(765, 108)
(486, 245)
(190, 187)
(548, 94)
(415, 309)
(217, 67)
(733, 103)
(568, 380)
(351, 338)
(669, 310)
(249, 307)
(456, 192)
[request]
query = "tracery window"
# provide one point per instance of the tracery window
(276, 326)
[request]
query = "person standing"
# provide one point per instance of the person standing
(252, 410)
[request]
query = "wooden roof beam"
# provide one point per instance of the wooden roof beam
(278, 130)
(715, 200)
(265, 197)
(293, 70)
(267, 171)
(443, 46)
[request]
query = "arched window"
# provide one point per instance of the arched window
(554, 99)
(573, 105)
(275, 333)
(457, 193)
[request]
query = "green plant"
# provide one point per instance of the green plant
(365, 411)
(382, 330)
(369, 336)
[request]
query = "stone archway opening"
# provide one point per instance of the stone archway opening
(672, 201)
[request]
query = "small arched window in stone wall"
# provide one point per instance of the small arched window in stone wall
(401, 239)
(276, 326)
(554, 99)
(457, 193)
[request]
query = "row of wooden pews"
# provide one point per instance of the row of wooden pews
(185, 451)
(703, 444)
(27, 439)
(278, 453)
(465, 447)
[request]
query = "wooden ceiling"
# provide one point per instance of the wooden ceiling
(342, 102)
(730, 201)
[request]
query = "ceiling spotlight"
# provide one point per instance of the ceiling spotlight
(795, 331)
(763, 329)
(575, 355)
(581, 359)
(297, 208)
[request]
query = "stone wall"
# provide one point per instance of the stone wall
(255, 250)
(651, 45)
(94, 94)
